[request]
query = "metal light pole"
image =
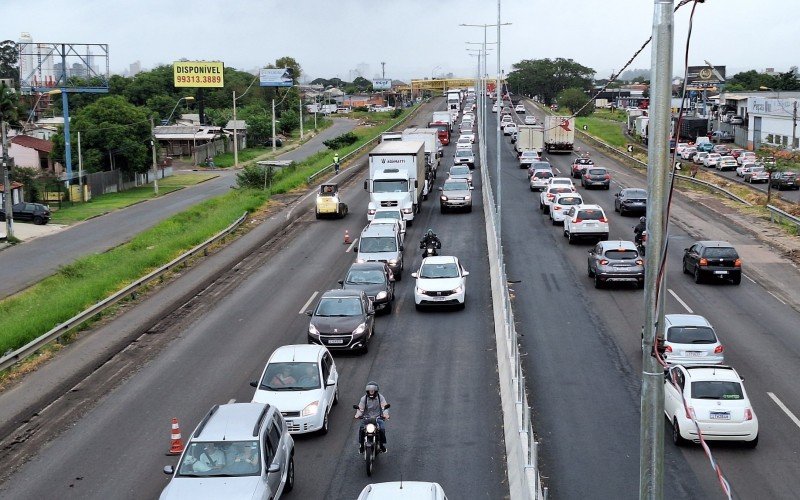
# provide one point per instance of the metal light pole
(235, 135)
(273, 125)
(651, 459)
(155, 161)
(8, 193)
(187, 98)
(301, 116)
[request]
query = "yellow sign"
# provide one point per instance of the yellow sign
(198, 74)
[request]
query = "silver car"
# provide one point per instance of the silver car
(690, 339)
(464, 157)
(239, 450)
(455, 193)
(540, 178)
(460, 172)
(615, 261)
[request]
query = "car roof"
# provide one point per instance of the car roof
(712, 372)
(617, 245)
(401, 490)
(686, 320)
(440, 259)
(715, 244)
(297, 353)
(367, 266)
(340, 293)
(590, 206)
(572, 194)
(230, 422)
(377, 231)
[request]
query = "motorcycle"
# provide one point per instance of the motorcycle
(641, 242)
(371, 441)
(429, 249)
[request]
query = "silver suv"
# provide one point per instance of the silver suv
(382, 243)
(616, 261)
(239, 450)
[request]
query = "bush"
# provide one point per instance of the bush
(397, 112)
(253, 176)
(341, 141)
(288, 122)
(361, 108)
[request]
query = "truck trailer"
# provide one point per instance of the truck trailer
(559, 134)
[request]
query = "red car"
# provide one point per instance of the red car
(579, 165)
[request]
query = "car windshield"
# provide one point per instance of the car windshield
(220, 459)
(590, 214)
(339, 306)
(443, 270)
(365, 277)
(373, 244)
(635, 193)
(584, 161)
(456, 185)
(597, 171)
(622, 254)
(388, 214)
(717, 389)
(459, 170)
(556, 180)
(390, 186)
(570, 200)
(463, 152)
(463, 140)
(290, 377)
(720, 253)
(691, 335)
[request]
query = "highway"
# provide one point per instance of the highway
(790, 196)
(437, 369)
(583, 353)
(24, 265)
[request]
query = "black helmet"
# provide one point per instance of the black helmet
(642, 219)
(371, 389)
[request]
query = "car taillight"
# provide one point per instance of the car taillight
(719, 349)
(550, 196)
(639, 262)
(737, 263)
(748, 414)
(556, 207)
(690, 412)
(586, 175)
(608, 177)
(603, 262)
(578, 220)
(603, 219)
(703, 262)
(668, 348)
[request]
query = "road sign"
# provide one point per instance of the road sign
(276, 77)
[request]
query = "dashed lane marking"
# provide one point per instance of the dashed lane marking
(353, 244)
(308, 303)
(680, 301)
(786, 410)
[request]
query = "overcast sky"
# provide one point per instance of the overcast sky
(414, 37)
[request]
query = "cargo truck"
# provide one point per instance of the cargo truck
(433, 146)
(454, 100)
(443, 117)
(396, 178)
(633, 113)
(559, 134)
(442, 131)
(529, 138)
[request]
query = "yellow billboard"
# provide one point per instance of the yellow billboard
(198, 73)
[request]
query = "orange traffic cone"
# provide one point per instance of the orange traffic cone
(176, 446)
(347, 237)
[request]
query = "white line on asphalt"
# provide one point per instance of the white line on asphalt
(785, 409)
(233, 400)
(351, 246)
(776, 297)
(305, 306)
(680, 301)
(749, 278)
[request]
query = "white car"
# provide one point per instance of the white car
(746, 157)
(402, 490)
(744, 168)
(470, 135)
(681, 146)
(527, 157)
(506, 119)
(466, 126)
(464, 142)
(687, 152)
(561, 181)
(441, 281)
(530, 120)
(494, 108)
(539, 178)
(303, 382)
(549, 194)
(585, 221)
(700, 157)
(468, 116)
(689, 339)
(509, 129)
(712, 159)
(726, 163)
(519, 108)
(561, 204)
(716, 400)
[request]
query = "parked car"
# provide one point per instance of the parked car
(538, 180)
(34, 212)
(373, 278)
(561, 204)
(711, 160)
(690, 339)
(718, 259)
(455, 193)
(711, 398)
(208, 467)
(736, 120)
(441, 280)
(303, 382)
(530, 120)
(519, 108)
(586, 221)
(579, 166)
(268, 142)
(596, 177)
(721, 136)
(630, 200)
(784, 180)
(616, 261)
(342, 319)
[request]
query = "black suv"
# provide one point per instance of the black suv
(35, 212)
(784, 180)
(630, 200)
(716, 259)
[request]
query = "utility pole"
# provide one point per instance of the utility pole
(651, 458)
(794, 124)
(498, 137)
(301, 116)
(155, 161)
(80, 169)
(273, 125)
(8, 193)
(235, 135)
(383, 69)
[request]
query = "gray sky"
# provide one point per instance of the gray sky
(413, 37)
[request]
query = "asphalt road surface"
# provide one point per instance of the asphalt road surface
(437, 369)
(24, 265)
(584, 355)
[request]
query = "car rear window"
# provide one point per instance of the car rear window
(572, 200)
(720, 253)
(636, 193)
(622, 254)
(691, 335)
(590, 214)
(717, 389)
(560, 189)
(597, 171)
(543, 174)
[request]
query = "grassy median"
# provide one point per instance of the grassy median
(90, 279)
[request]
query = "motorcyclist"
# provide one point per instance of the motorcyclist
(640, 228)
(372, 405)
(430, 238)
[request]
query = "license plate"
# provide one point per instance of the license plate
(720, 272)
(336, 341)
(693, 354)
(720, 415)
(591, 224)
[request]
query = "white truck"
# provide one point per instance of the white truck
(633, 114)
(391, 136)
(396, 177)
(640, 127)
(559, 134)
(443, 117)
(454, 100)
(433, 146)
(529, 138)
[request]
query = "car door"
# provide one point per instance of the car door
(325, 368)
(672, 393)
(366, 306)
(691, 256)
(595, 253)
(21, 212)
(276, 455)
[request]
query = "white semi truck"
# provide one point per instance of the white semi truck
(433, 146)
(559, 134)
(396, 177)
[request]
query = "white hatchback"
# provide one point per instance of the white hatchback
(561, 181)
(301, 380)
(562, 203)
(549, 194)
(530, 120)
(441, 281)
(585, 221)
(470, 135)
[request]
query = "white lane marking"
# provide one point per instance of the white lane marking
(308, 303)
(351, 246)
(680, 300)
(785, 409)
(749, 278)
(776, 297)
(233, 400)
(557, 170)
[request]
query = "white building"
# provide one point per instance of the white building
(769, 118)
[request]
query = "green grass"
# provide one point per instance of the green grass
(606, 130)
(618, 116)
(88, 280)
(105, 203)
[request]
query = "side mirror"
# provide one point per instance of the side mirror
(441, 189)
(416, 184)
(169, 470)
(616, 195)
(389, 406)
(273, 468)
(414, 275)
(253, 383)
(471, 188)
(308, 313)
(685, 250)
(401, 248)
(331, 382)
(341, 282)
(465, 273)
(366, 184)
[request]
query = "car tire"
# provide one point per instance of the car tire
(589, 271)
(597, 282)
(698, 275)
(616, 209)
(336, 396)
(38, 220)
(607, 187)
(751, 444)
(736, 278)
(640, 283)
(555, 222)
(541, 206)
(442, 210)
(388, 308)
(685, 269)
(324, 429)
(289, 486)
(469, 209)
(566, 233)
(365, 349)
(417, 307)
(570, 239)
(532, 189)
(677, 439)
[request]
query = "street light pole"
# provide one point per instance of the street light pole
(155, 161)
(235, 135)
(8, 193)
(273, 125)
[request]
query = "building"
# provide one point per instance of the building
(183, 140)
(16, 193)
(769, 118)
(240, 129)
(31, 152)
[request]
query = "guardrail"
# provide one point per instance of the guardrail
(65, 327)
(522, 449)
(776, 215)
(359, 149)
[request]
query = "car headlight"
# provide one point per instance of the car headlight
(370, 428)
(443, 198)
(459, 289)
(419, 290)
(406, 210)
(392, 262)
(381, 295)
(360, 329)
(468, 197)
(311, 409)
(361, 261)
(312, 329)
(371, 211)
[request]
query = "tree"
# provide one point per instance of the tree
(362, 84)
(9, 105)
(8, 60)
(288, 122)
(574, 99)
(290, 62)
(546, 78)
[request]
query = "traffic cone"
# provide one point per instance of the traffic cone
(176, 446)
(347, 237)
